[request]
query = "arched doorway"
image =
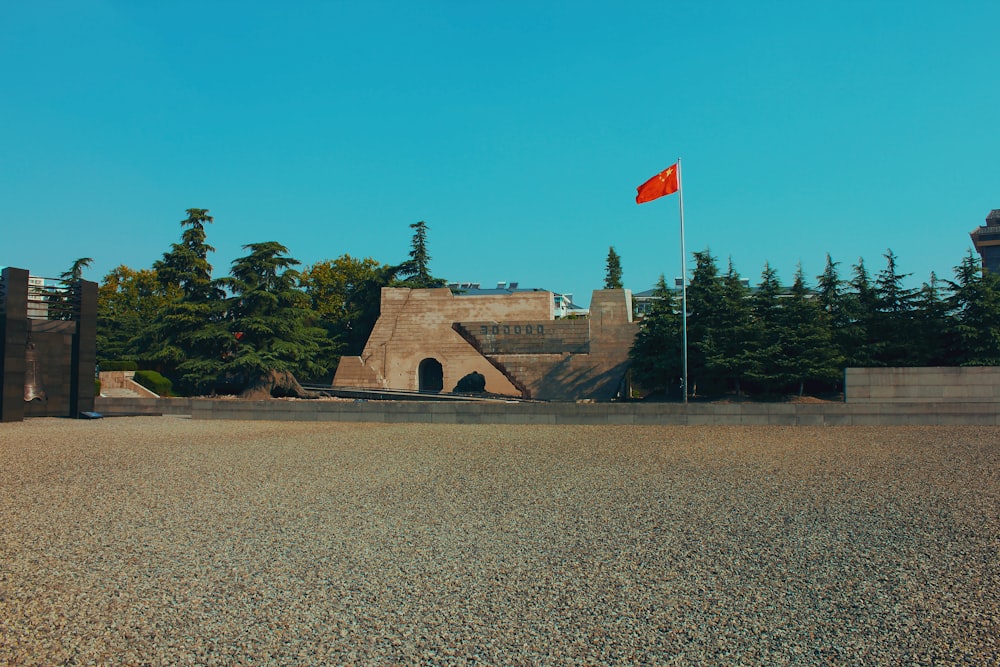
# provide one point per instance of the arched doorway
(431, 375)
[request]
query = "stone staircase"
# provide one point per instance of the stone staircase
(119, 392)
(121, 384)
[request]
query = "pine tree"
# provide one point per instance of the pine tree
(657, 351)
(892, 329)
(704, 305)
(272, 324)
(768, 369)
(932, 343)
(836, 306)
(860, 348)
(975, 303)
(62, 302)
(189, 338)
(613, 273)
(807, 351)
(417, 269)
(729, 346)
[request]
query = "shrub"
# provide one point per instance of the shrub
(119, 366)
(154, 382)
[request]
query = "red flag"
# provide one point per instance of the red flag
(664, 183)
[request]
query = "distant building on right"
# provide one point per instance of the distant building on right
(987, 241)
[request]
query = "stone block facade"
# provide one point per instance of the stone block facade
(428, 339)
(621, 413)
(946, 384)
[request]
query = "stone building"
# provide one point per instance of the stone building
(48, 346)
(428, 339)
(986, 238)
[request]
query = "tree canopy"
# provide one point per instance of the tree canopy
(773, 340)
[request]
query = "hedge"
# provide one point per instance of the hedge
(154, 382)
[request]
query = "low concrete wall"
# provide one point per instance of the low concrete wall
(736, 414)
(113, 406)
(980, 384)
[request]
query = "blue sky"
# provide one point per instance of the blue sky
(517, 130)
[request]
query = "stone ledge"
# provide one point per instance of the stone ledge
(734, 414)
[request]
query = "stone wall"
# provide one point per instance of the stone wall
(415, 325)
(513, 340)
(980, 384)
(535, 337)
(628, 413)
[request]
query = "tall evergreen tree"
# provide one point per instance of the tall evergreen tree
(61, 301)
(75, 272)
(657, 351)
(272, 324)
(729, 346)
(807, 351)
(836, 305)
(859, 346)
(932, 344)
(416, 270)
(704, 305)
(187, 265)
(768, 368)
(613, 272)
(975, 303)
(892, 330)
(189, 338)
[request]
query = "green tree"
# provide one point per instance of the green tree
(891, 330)
(975, 304)
(729, 345)
(189, 337)
(346, 294)
(187, 265)
(75, 271)
(837, 307)
(416, 270)
(860, 348)
(62, 300)
(270, 318)
(705, 304)
(932, 343)
(613, 272)
(768, 370)
(657, 351)
(807, 351)
(128, 301)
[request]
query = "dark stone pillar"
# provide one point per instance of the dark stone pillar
(13, 343)
(84, 362)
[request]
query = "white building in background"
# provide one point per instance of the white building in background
(37, 307)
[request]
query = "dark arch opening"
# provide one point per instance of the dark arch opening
(431, 375)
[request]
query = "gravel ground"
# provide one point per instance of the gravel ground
(166, 541)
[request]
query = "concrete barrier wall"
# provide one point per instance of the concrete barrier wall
(980, 384)
(736, 414)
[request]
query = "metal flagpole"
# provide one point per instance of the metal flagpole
(684, 293)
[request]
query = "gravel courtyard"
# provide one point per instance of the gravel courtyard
(166, 541)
